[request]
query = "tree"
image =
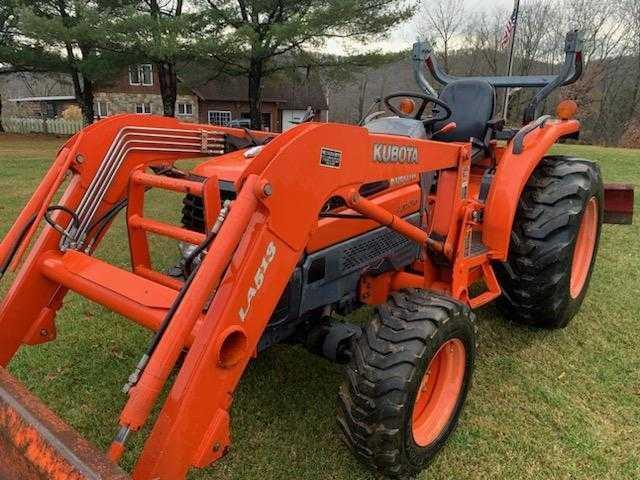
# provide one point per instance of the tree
(264, 37)
(362, 97)
(14, 57)
(7, 31)
(71, 37)
(166, 64)
(161, 33)
(8, 26)
(482, 38)
(442, 20)
(630, 18)
(532, 39)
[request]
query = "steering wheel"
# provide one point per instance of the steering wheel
(444, 114)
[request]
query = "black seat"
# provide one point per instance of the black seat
(473, 104)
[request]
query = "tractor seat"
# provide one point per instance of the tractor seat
(473, 104)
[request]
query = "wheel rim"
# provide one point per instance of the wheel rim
(439, 392)
(583, 250)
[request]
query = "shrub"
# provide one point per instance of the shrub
(631, 136)
(72, 112)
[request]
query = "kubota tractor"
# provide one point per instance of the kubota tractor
(425, 215)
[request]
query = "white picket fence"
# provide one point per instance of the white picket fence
(57, 126)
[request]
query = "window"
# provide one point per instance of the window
(219, 117)
(49, 110)
(185, 109)
(101, 109)
(147, 74)
(141, 74)
(134, 75)
(143, 108)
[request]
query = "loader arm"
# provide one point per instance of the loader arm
(273, 216)
(222, 309)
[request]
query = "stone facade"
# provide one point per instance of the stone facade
(126, 103)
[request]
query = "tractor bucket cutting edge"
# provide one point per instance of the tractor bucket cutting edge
(36, 444)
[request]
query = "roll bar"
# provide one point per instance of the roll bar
(571, 71)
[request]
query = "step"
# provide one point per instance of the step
(130, 295)
(476, 247)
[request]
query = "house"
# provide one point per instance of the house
(219, 101)
(137, 90)
(35, 95)
(284, 102)
(50, 106)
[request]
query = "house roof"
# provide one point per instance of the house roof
(292, 94)
(51, 98)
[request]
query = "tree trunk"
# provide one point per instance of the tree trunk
(255, 94)
(82, 89)
(445, 56)
(168, 87)
(362, 95)
(86, 101)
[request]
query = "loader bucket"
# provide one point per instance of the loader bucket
(618, 203)
(36, 444)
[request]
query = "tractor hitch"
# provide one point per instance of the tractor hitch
(332, 339)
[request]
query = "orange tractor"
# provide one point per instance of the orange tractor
(426, 214)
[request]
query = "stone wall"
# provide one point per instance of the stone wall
(126, 103)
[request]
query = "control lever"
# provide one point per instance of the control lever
(449, 127)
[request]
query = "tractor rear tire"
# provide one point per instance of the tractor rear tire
(554, 242)
(407, 381)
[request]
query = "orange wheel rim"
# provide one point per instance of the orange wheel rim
(583, 250)
(439, 392)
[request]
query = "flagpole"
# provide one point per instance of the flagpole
(505, 108)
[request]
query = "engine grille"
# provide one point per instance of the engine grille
(368, 251)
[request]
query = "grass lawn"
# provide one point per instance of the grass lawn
(561, 405)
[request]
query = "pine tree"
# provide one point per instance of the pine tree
(264, 37)
(159, 32)
(72, 37)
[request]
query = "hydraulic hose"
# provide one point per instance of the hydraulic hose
(16, 245)
(135, 376)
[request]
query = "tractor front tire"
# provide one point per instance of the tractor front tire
(554, 242)
(407, 381)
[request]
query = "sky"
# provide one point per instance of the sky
(404, 36)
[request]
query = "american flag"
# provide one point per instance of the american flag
(509, 27)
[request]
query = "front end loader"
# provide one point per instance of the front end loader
(424, 215)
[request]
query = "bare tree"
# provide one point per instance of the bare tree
(535, 25)
(482, 39)
(630, 16)
(362, 96)
(603, 83)
(442, 21)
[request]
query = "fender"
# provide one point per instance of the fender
(512, 173)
